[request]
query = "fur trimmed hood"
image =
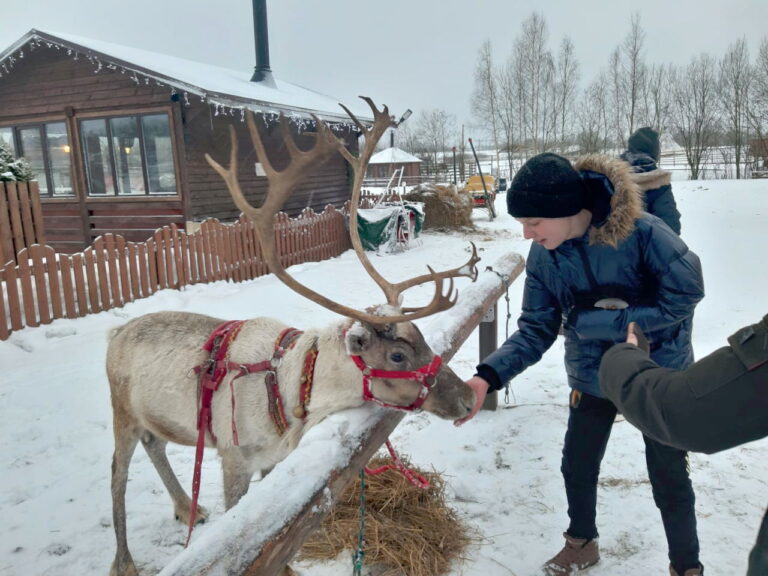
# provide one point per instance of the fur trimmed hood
(652, 180)
(626, 202)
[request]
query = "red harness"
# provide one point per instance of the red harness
(213, 371)
(424, 375)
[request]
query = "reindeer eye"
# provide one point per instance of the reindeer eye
(397, 357)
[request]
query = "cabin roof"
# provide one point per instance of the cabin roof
(393, 156)
(214, 84)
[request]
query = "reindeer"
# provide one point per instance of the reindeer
(160, 366)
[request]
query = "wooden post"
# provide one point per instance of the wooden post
(488, 331)
(265, 529)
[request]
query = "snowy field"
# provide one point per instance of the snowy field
(502, 468)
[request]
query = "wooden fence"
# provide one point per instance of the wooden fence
(21, 219)
(45, 285)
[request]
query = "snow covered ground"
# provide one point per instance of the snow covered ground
(502, 468)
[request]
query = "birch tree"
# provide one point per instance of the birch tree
(695, 110)
(435, 129)
(567, 84)
(594, 123)
(634, 70)
(733, 84)
(758, 103)
(533, 65)
(485, 99)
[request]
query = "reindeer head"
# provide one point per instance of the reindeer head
(385, 345)
(401, 371)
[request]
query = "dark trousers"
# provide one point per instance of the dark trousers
(589, 427)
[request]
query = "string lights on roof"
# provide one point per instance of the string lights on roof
(221, 106)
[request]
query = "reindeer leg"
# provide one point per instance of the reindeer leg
(237, 476)
(182, 504)
(125, 443)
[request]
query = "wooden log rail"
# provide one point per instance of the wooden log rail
(261, 534)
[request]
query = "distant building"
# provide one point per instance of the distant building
(383, 164)
(117, 136)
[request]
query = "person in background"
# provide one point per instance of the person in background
(598, 262)
(643, 151)
(719, 402)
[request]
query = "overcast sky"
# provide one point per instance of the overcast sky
(417, 54)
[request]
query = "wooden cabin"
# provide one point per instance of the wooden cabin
(117, 136)
(383, 164)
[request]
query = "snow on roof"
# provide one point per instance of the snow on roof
(393, 156)
(217, 85)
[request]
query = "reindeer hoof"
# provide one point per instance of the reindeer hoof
(126, 567)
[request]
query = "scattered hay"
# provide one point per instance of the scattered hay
(444, 206)
(408, 530)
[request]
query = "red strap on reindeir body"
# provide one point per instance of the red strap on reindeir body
(213, 371)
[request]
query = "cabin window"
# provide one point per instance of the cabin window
(46, 148)
(128, 155)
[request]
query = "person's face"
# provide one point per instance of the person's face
(548, 232)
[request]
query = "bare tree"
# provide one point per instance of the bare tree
(657, 97)
(616, 98)
(734, 81)
(627, 77)
(508, 91)
(485, 99)
(758, 101)
(535, 75)
(567, 84)
(634, 70)
(436, 129)
(695, 110)
(407, 138)
(593, 117)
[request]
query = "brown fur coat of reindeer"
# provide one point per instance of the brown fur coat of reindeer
(151, 360)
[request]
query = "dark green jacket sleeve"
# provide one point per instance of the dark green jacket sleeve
(720, 402)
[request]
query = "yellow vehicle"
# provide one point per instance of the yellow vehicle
(474, 186)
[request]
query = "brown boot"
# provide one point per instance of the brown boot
(577, 554)
(690, 572)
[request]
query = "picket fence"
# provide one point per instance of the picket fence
(46, 285)
(21, 218)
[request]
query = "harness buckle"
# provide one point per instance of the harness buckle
(276, 362)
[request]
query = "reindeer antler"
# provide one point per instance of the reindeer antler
(281, 183)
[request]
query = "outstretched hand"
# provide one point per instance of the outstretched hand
(480, 387)
(635, 336)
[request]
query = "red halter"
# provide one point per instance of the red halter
(424, 375)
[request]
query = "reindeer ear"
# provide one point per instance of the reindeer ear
(358, 338)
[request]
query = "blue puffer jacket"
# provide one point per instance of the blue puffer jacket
(630, 255)
(655, 184)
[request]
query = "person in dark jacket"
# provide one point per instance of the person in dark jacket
(717, 403)
(643, 151)
(598, 262)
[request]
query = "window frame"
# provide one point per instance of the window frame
(18, 151)
(137, 115)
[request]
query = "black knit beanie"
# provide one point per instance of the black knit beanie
(546, 186)
(645, 141)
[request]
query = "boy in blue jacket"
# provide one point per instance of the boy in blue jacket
(597, 263)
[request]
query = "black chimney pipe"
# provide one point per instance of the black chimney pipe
(261, 72)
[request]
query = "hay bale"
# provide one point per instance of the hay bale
(408, 530)
(444, 206)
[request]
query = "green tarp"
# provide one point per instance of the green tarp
(379, 225)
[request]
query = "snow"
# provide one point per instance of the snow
(393, 156)
(213, 82)
(502, 468)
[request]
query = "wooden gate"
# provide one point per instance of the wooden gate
(21, 219)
